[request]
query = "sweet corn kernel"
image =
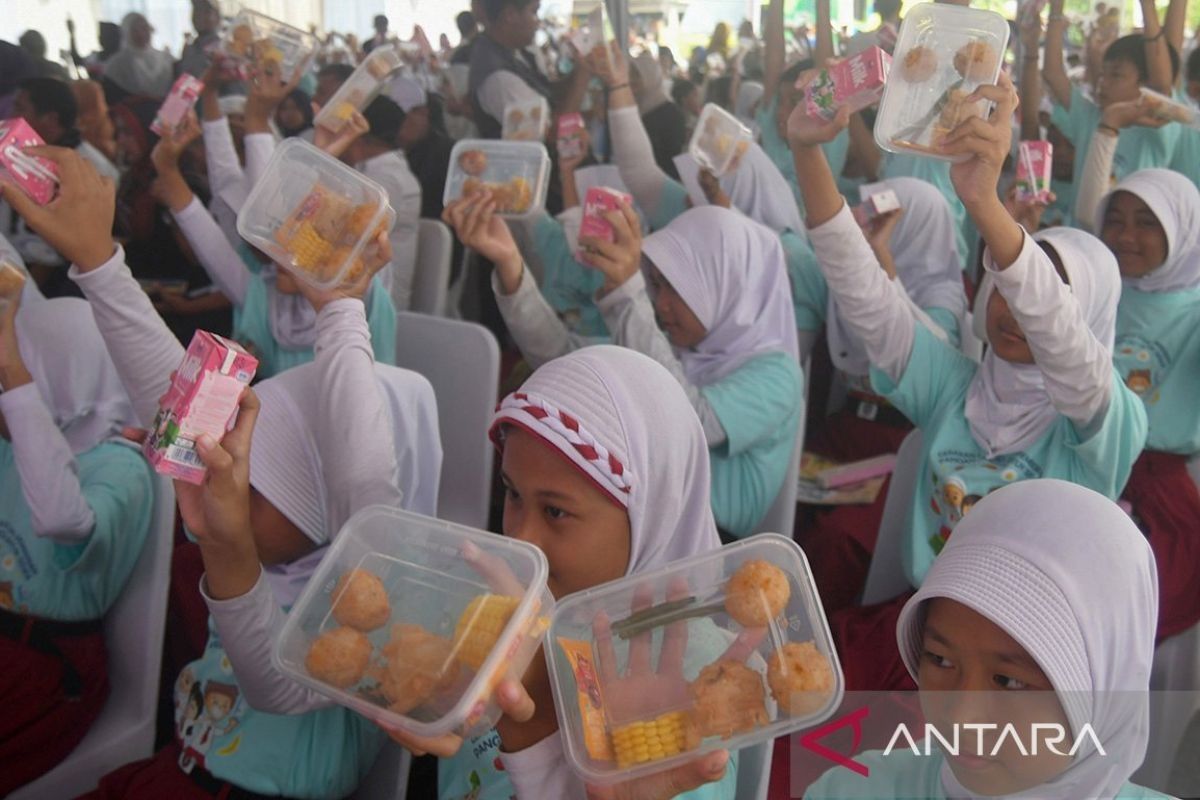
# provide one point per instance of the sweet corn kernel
(652, 740)
(308, 249)
(480, 626)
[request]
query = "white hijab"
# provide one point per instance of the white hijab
(1086, 615)
(285, 464)
(1008, 407)
(925, 250)
(731, 272)
(756, 188)
(653, 93)
(140, 70)
(64, 351)
(621, 419)
(1175, 200)
(745, 105)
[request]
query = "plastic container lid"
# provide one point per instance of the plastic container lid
(618, 725)
(364, 84)
(400, 623)
(942, 54)
(719, 140)
(518, 173)
(1164, 108)
(250, 27)
(312, 214)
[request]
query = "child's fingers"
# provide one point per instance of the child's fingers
(745, 643)
(606, 658)
(494, 570)
(237, 440)
(515, 701)
(639, 645)
(135, 435)
(675, 637)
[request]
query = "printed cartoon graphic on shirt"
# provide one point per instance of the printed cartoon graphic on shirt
(476, 772)
(210, 712)
(6, 594)
(16, 568)
(959, 480)
(183, 692)
(1143, 365)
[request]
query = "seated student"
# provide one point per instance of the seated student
(1045, 402)
(1151, 222)
(271, 317)
(74, 512)
(716, 283)
(1130, 63)
(1014, 627)
(317, 455)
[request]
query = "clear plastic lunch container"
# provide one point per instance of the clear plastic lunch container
(526, 122)
(412, 621)
(314, 215)
(1164, 108)
(367, 81)
(517, 174)
(719, 140)
(943, 53)
(721, 651)
(253, 38)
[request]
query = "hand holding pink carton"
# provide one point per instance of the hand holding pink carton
(570, 136)
(202, 399)
(180, 100)
(599, 201)
(857, 82)
(1035, 166)
(37, 177)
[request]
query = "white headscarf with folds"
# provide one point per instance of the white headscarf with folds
(1175, 200)
(285, 464)
(140, 70)
(653, 93)
(731, 272)
(621, 419)
(756, 188)
(1086, 615)
(64, 352)
(1007, 404)
(925, 250)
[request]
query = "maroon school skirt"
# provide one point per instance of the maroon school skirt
(1166, 506)
(160, 777)
(53, 684)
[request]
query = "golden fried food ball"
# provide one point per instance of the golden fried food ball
(473, 162)
(339, 657)
(471, 186)
(360, 601)
(357, 221)
(728, 699)
(757, 593)
(976, 60)
(919, 65)
(417, 665)
(800, 678)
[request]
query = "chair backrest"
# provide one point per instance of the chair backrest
(971, 345)
(886, 578)
(462, 361)
(754, 771)
(134, 626)
(431, 281)
(388, 778)
(781, 517)
(1174, 708)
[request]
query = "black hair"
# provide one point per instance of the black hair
(466, 24)
(668, 52)
(718, 92)
(1056, 260)
(385, 119)
(34, 43)
(379, 18)
(1193, 66)
(887, 9)
(680, 90)
(340, 72)
(50, 95)
(792, 73)
(492, 9)
(1132, 48)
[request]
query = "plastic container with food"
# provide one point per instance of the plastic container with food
(516, 173)
(526, 122)
(313, 215)
(413, 621)
(944, 52)
(254, 39)
(720, 651)
(1164, 108)
(719, 141)
(364, 84)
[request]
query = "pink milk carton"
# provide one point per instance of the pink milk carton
(570, 136)
(181, 98)
(856, 82)
(598, 201)
(202, 398)
(37, 177)
(875, 205)
(1035, 167)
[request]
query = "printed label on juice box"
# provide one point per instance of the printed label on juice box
(599, 201)
(856, 82)
(570, 136)
(181, 99)
(35, 176)
(1035, 165)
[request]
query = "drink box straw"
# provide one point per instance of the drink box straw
(35, 176)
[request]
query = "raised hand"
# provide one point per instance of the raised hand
(806, 131)
(987, 142)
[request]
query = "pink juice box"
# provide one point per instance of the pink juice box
(598, 201)
(875, 205)
(182, 97)
(856, 82)
(856, 471)
(570, 136)
(1035, 165)
(37, 177)
(202, 398)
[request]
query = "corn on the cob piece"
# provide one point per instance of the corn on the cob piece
(651, 740)
(480, 626)
(308, 248)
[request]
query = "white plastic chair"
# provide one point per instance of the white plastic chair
(754, 771)
(388, 778)
(431, 282)
(133, 634)
(971, 345)
(462, 361)
(886, 578)
(1174, 703)
(781, 517)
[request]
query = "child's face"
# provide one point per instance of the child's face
(675, 318)
(1004, 332)
(1134, 234)
(218, 706)
(1119, 82)
(551, 505)
(972, 672)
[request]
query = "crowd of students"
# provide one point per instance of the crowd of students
(1053, 534)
